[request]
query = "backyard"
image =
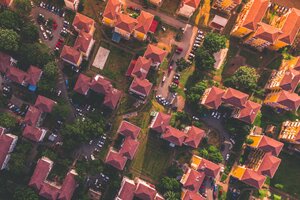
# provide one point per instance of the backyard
(170, 6)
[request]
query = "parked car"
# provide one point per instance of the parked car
(179, 50)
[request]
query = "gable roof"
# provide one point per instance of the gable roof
(83, 41)
(5, 2)
(270, 145)
(68, 187)
(269, 165)
(125, 22)
(127, 189)
(129, 130)
(129, 148)
(192, 3)
(267, 32)
(156, 54)
(145, 192)
(194, 136)
(193, 179)
(249, 112)
(33, 75)
(161, 121)
(115, 159)
(70, 54)
(290, 27)
(44, 104)
(49, 191)
(141, 67)
(289, 100)
(83, 22)
(255, 14)
(142, 86)
(16, 75)
(32, 116)
(110, 9)
(5, 142)
(253, 178)
(32, 133)
(174, 135)
(82, 85)
(144, 22)
(235, 97)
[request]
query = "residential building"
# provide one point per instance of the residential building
(118, 159)
(160, 122)
(140, 87)
(261, 30)
(71, 55)
(16, 75)
(34, 75)
(72, 4)
(82, 84)
(7, 144)
(194, 136)
(33, 116)
(6, 3)
(5, 62)
(34, 133)
(157, 3)
(283, 100)
(113, 7)
(125, 25)
(44, 104)
(290, 132)
(226, 5)
(174, 136)
(155, 54)
(84, 23)
(52, 190)
(137, 189)
(144, 22)
(141, 68)
(84, 43)
(188, 7)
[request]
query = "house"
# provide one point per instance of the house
(34, 133)
(84, 23)
(290, 132)
(248, 113)
(7, 144)
(188, 7)
(192, 179)
(194, 136)
(234, 98)
(33, 116)
(112, 98)
(113, 7)
(144, 22)
(71, 55)
(190, 195)
(118, 159)
(84, 43)
(82, 85)
(16, 75)
(100, 85)
(140, 87)
(156, 54)
(160, 122)
(125, 25)
(261, 33)
(283, 100)
(5, 62)
(226, 5)
(72, 4)
(157, 3)
(6, 3)
(137, 189)
(212, 97)
(174, 136)
(44, 104)
(33, 75)
(141, 68)
(52, 190)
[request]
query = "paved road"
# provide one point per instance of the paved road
(172, 21)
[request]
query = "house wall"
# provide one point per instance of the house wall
(123, 33)
(108, 22)
(186, 11)
(140, 36)
(5, 162)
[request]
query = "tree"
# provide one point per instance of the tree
(9, 40)
(204, 61)
(170, 195)
(182, 64)
(249, 141)
(195, 92)
(25, 193)
(244, 79)
(10, 20)
(30, 33)
(211, 153)
(51, 70)
(214, 42)
(169, 184)
(23, 7)
(7, 120)
(61, 111)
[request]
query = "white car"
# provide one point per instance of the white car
(45, 36)
(42, 28)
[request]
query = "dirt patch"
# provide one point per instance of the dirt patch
(288, 3)
(234, 64)
(180, 103)
(166, 37)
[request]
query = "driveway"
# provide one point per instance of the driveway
(59, 20)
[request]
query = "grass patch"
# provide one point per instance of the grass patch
(288, 174)
(170, 6)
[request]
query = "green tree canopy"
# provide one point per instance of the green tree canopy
(204, 61)
(10, 20)
(25, 193)
(182, 64)
(214, 42)
(30, 33)
(169, 184)
(211, 153)
(51, 70)
(170, 195)
(195, 92)
(244, 79)
(7, 120)
(61, 111)
(9, 40)
(23, 7)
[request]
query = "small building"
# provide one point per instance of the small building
(125, 25)
(218, 23)
(33, 116)
(84, 23)
(34, 133)
(290, 132)
(72, 4)
(44, 104)
(188, 7)
(160, 122)
(141, 67)
(157, 3)
(283, 100)
(6, 3)
(71, 55)
(140, 87)
(144, 22)
(84, 43)
(113, 7)
(155, 54)
(7, 144)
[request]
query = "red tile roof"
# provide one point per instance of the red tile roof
(249, 112)
(267, 32)
(144, 22)
(125, 22)
(70, 54)
(269, 165)
(189, 195)
(16, 75)
(145, 192)
(4, 62)
(253, 178)
(111, 11)
(44, 104)
(290, 80)
(161, 121)
(129, 130)
(127, 190)
(194, 137)
(100, 85)
(5, 142)
(82, 85)
(32, 133)
(112, 98)
(192, 3)
(255, 14)
(235, 97)
(83, 41)
(40, 173)
(68, 187)
(194, 180)
(32, 116)
(270, 145)
(49, 191)
(156, 54)
(83, 22)
(141, 67)
(174, 136)
(290, 27)
(140, 86)
(115, 159)
(289, 100)
(5, 2)
(129, 148)
(214, 98)
(33, 75)
(210, 168)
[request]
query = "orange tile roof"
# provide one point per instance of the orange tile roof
(82, 85)
(290, 27)
(255, 14)
(174, 136)
(290, 80)
(144, 22)
(235, 97)
(83, 41)
(129, 130)
(193, 179)
(194, 137)
(112, 98)
(70, 54)
(289, 100)
(125, 22)
(189, 195)
(83, 22)
(129, 148)
(249, 112)
(269, 165)
(141, 67)
(110, 11)
(44, 104)
(161, 122)
(214, 97)
(155, 53)
(115, 159)
(192, 3)
(5, 2)
(142, 86)
(268, 144)
(253, 178)
(267, 32)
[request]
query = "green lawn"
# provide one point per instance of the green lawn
(288, 174)
(170, 6)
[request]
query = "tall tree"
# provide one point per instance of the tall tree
(170, 195)
(25, 193)
(30, 33)
(23, 7)
(214, 42)
(7, 120)
(10, 20)
(204, 61)
(195, 92)
(9, 40)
